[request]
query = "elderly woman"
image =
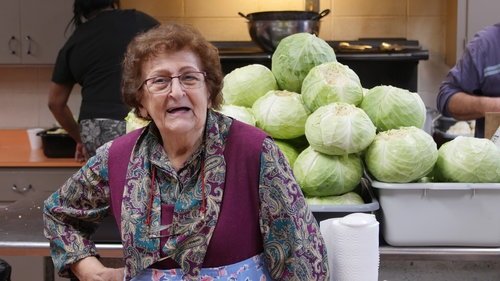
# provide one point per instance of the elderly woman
(196, 194)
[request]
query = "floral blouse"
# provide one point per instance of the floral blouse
(72, 213)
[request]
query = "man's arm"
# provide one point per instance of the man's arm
(463, 106)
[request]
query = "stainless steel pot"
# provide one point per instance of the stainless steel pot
(268, 28)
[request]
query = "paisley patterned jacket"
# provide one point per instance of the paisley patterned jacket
(292, 244)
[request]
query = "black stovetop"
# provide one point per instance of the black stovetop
(411, 50)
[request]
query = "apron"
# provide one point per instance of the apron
(251, 269)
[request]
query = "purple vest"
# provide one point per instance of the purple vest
(237, 235)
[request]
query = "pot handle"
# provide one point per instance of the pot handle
(243, 15)
(323, 13)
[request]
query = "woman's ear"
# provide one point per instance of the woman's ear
(143, 113)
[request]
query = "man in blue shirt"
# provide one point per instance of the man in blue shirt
(472, 87)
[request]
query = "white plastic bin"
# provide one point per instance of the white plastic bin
(440, 214)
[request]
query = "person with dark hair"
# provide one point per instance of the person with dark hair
(91, 57)
(472, 86)
(197, 195)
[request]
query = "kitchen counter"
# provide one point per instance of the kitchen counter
(21, 230)
(15, 151)
(21, 233)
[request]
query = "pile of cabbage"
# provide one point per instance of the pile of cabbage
(332, 130)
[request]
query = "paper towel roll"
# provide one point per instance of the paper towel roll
(352, 244)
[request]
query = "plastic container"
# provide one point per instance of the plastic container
(57, 145)
(440, 214)
(323, 212)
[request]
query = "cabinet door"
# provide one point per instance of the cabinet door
(472, 16)
(43, 26)
(10, 41)
(19, 183)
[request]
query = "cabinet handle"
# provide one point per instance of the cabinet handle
(29, 44)
(12, 48)
(21, 190)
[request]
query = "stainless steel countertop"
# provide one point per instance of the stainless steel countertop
(21, 230)
(21, 234)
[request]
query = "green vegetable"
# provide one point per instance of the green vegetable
(401, 155)
(244, 85)
(281, 114)
(331, 82)
(391, 107)
(241, 113)
(132, 121)
(349, 198)
(288, 150)
(339, 128)
(320, 174)
(295, 55)
(468, 159)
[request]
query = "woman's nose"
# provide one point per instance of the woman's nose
(176, 88)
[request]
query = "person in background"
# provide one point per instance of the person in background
(201, 195)
(92, 58)
(472, 87)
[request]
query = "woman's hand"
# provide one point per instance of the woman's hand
(91, 269)
(81, 154)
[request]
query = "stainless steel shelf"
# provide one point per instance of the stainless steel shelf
(21, 234)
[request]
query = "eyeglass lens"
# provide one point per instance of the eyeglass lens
(163, 84)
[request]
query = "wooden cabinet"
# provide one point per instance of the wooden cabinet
(33, 31)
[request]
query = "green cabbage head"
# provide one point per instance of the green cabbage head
(401, 155)
(291, 153)
(468, 159)
(331, 82)
(295, 55)
(133, 121)
(339, 128)
(240, 113)
(320, 174)
(349, 198)
(392, 107)
(244, 85)
(281, 114)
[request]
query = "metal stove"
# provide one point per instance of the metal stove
(377, 61)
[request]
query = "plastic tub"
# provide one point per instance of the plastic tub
(323, 212)
(57, 145)
(440, 214)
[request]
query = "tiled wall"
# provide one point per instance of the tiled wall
(24, 96)
(23, 90)
(349, 19)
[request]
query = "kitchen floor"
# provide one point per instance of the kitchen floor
(397, 270)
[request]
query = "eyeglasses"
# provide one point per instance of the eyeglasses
(163, 84)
